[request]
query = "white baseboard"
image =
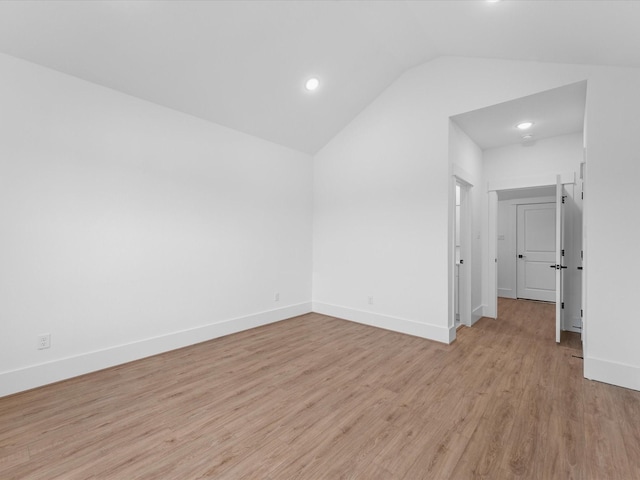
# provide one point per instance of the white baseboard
(614, 373)
(37, 375)
(506, 293)
(569, 324)
(477, 314)
(572, 329)
(401, 325)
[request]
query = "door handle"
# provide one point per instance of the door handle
(557, 267)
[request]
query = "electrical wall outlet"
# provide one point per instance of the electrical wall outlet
(276, 297)
(44, 341)
(370, 298)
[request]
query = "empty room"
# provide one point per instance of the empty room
(319, 239)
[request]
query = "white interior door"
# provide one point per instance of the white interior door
(536, 250)
(559, 267)
(457, 255)
(463, 254)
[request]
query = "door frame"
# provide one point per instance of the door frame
(493, 188)
(460, 177)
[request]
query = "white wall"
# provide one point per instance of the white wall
(612, 330)
(382, 198)
(381, 217)
(563, 153)
(506, 243)
(130, 229)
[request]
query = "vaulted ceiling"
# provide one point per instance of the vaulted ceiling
(242, 64)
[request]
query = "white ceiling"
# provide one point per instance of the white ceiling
(559, 111)
(242, 64)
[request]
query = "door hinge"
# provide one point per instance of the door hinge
(581, 313)
(563, 198)
(562, 252)
(581, 254)
(582, 195)
(562, 305)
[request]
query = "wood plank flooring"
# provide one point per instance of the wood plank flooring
(315, 397)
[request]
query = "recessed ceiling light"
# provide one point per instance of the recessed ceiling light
(312, 84)
(524, 125)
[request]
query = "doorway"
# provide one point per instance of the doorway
(462, 256)
(550, 256)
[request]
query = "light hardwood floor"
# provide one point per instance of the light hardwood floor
(320, 398)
